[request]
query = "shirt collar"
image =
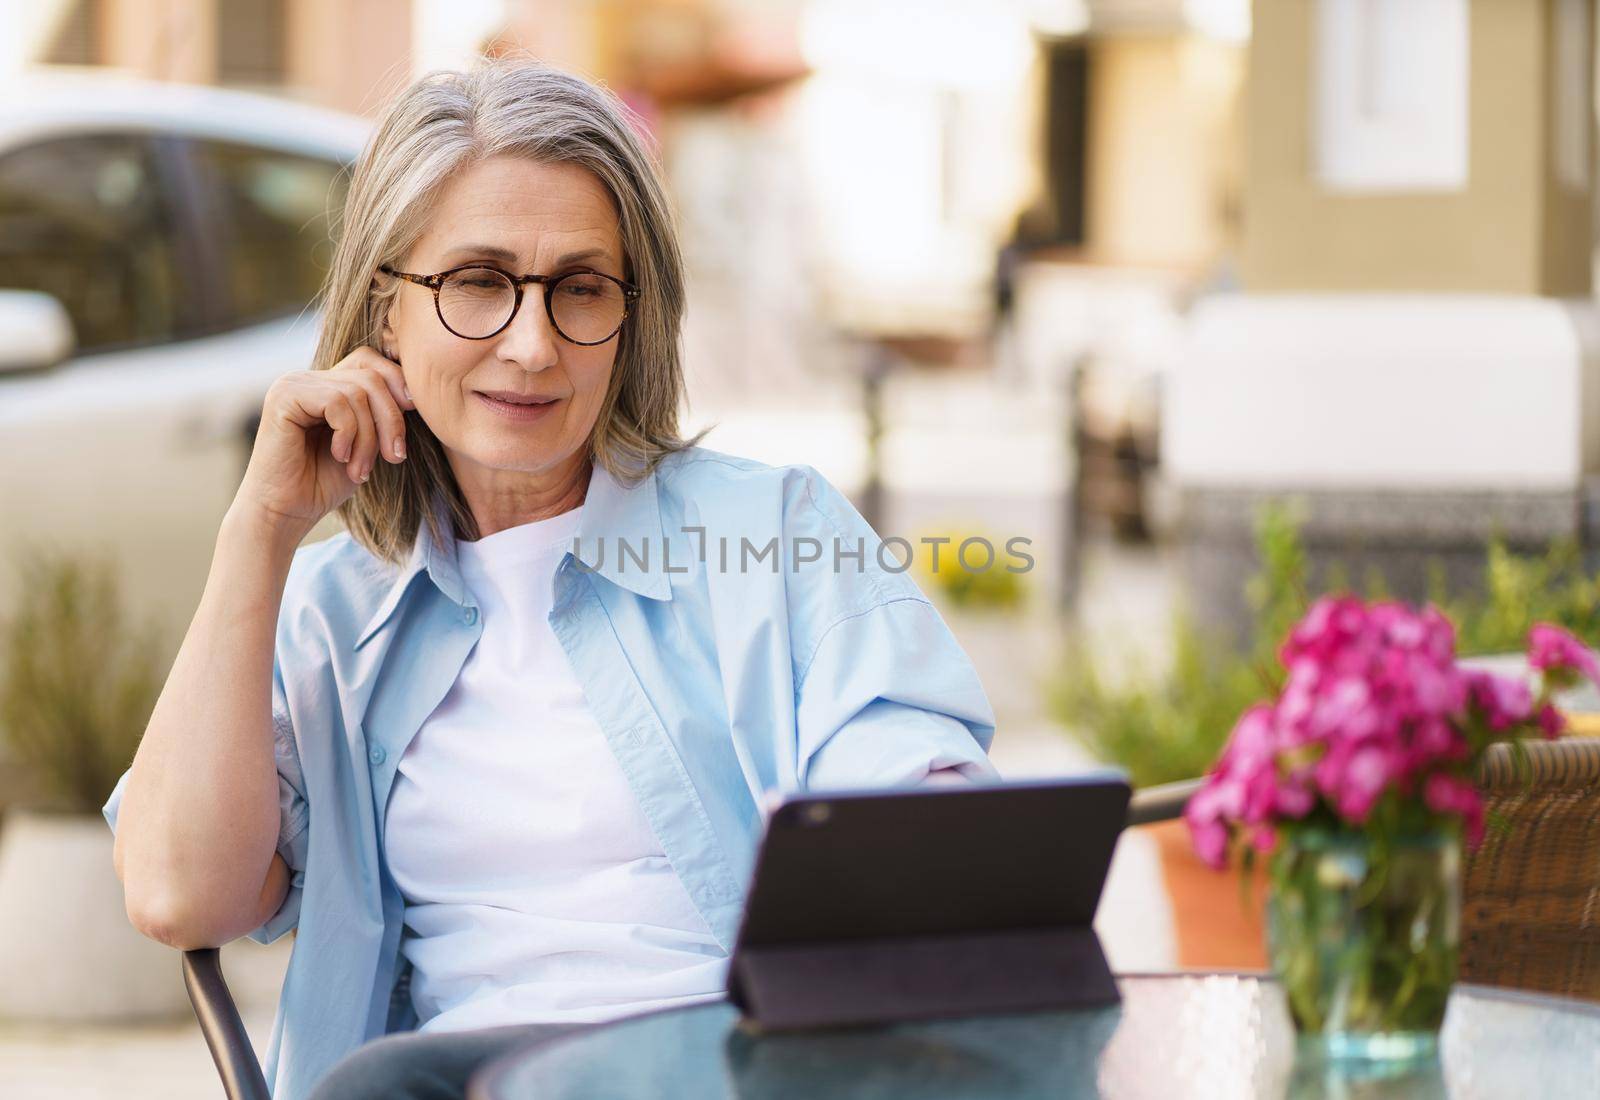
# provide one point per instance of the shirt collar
(613, 513)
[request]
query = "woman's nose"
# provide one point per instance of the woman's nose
(530, 340)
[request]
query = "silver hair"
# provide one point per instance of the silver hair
(436, 127)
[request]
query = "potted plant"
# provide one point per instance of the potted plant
(77, 686)
(1356, 783)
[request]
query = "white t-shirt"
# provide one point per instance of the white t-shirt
(535, 890)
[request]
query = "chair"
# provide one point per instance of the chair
(1161, 803)
(224, 1031)
(1530, 915)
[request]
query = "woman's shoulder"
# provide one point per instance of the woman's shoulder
(822, 540)
(702, 467)
(335, 585)
(747, 486)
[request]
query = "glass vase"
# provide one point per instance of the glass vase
(1363, 935)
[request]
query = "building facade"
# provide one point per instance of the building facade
(1413, 354)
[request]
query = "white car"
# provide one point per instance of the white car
(160, 247)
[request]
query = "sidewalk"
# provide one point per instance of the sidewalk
(157, 1061)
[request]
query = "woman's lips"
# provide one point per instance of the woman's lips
(517, 412)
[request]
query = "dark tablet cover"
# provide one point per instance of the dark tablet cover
(912, 903)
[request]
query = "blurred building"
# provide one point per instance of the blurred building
(336, 53)
(1414, 350)
(1138, 109)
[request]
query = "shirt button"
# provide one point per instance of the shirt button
(469, 615)
(377, 754)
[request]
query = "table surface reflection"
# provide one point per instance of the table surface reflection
(1191, 1035)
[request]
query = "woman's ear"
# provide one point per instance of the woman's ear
(386, 340)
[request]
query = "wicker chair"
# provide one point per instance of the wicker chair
(1530, 915)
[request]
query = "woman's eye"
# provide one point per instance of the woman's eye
(481, 282)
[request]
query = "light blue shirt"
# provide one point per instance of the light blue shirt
(737, 629)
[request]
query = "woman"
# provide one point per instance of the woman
(498, 752)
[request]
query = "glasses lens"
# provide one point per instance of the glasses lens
(476, 301)
(588, 308)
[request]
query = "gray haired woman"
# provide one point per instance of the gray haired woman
(498, 752)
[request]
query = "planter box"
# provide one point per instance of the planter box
(67, 950)
(1213, 927)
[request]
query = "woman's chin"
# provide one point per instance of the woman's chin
(519, 454)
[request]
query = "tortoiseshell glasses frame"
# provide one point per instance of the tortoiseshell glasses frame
(630, 294)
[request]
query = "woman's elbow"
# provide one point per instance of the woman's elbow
(170, 920)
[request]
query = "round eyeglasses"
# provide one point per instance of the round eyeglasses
(477, 302)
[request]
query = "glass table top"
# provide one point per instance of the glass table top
(1198, 1036)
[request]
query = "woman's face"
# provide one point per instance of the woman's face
(525, 218)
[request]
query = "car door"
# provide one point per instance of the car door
(264, 218)
(133, 448)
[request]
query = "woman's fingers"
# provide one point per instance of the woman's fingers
(386, 399)
(363, 454)
(387, 416)
(341, 417)
(391, 373)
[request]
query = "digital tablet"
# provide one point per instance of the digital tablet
(879, 905)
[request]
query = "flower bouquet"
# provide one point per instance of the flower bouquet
(1357, 783)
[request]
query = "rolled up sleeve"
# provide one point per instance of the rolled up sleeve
(890, 699)
(293, 814)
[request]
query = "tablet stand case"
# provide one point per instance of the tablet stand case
(807, 985)
(873, 907)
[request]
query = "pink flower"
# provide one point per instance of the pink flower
(1252, 741)
(1325, 631)
(1504, 700)
(1400, 626)
(1552, 723)
(1348, 708)
(1207, 832)
(1439, 641)
(1436, 690)
(1373, 704)
(1294, 798)
(1553, 650)
(1369, 771)
(1210, 840)
(1436, 739)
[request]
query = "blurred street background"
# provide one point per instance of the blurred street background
(1218, 307)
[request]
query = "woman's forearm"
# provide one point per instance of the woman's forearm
(198, 823)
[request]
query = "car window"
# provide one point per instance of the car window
(84, 218)
(274, 212)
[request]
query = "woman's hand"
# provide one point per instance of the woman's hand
(321, 435)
